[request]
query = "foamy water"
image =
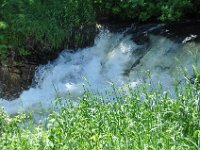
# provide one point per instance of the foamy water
(96, 66)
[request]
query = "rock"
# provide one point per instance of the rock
(180, 32)
(14, 79)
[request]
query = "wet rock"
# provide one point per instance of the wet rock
(180, 32)
(138, 32)
(14, 79)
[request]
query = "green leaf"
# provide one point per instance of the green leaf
(3, 25)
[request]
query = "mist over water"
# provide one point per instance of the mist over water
(112, 59)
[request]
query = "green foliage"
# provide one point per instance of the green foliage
(197, 76)
(10, 124)
(48, 23)
(38, 25)
(124, 118)
(144, 9)
(3, 47)
(174, 9)
(3, 25)
(78, 15)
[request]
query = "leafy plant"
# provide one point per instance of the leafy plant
(197, 76)
(127, 118)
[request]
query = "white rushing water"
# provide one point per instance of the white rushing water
(107, 61)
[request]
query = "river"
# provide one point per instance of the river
(114, 58)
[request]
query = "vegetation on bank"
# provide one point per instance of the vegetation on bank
(143, 10)
(126, 118)
(39, 27)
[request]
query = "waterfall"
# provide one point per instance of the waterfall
(116, 58)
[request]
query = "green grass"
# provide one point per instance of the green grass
(126, 118)
(37, 26)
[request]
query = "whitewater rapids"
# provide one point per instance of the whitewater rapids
(110, 60)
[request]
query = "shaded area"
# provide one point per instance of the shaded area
(181, 32)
